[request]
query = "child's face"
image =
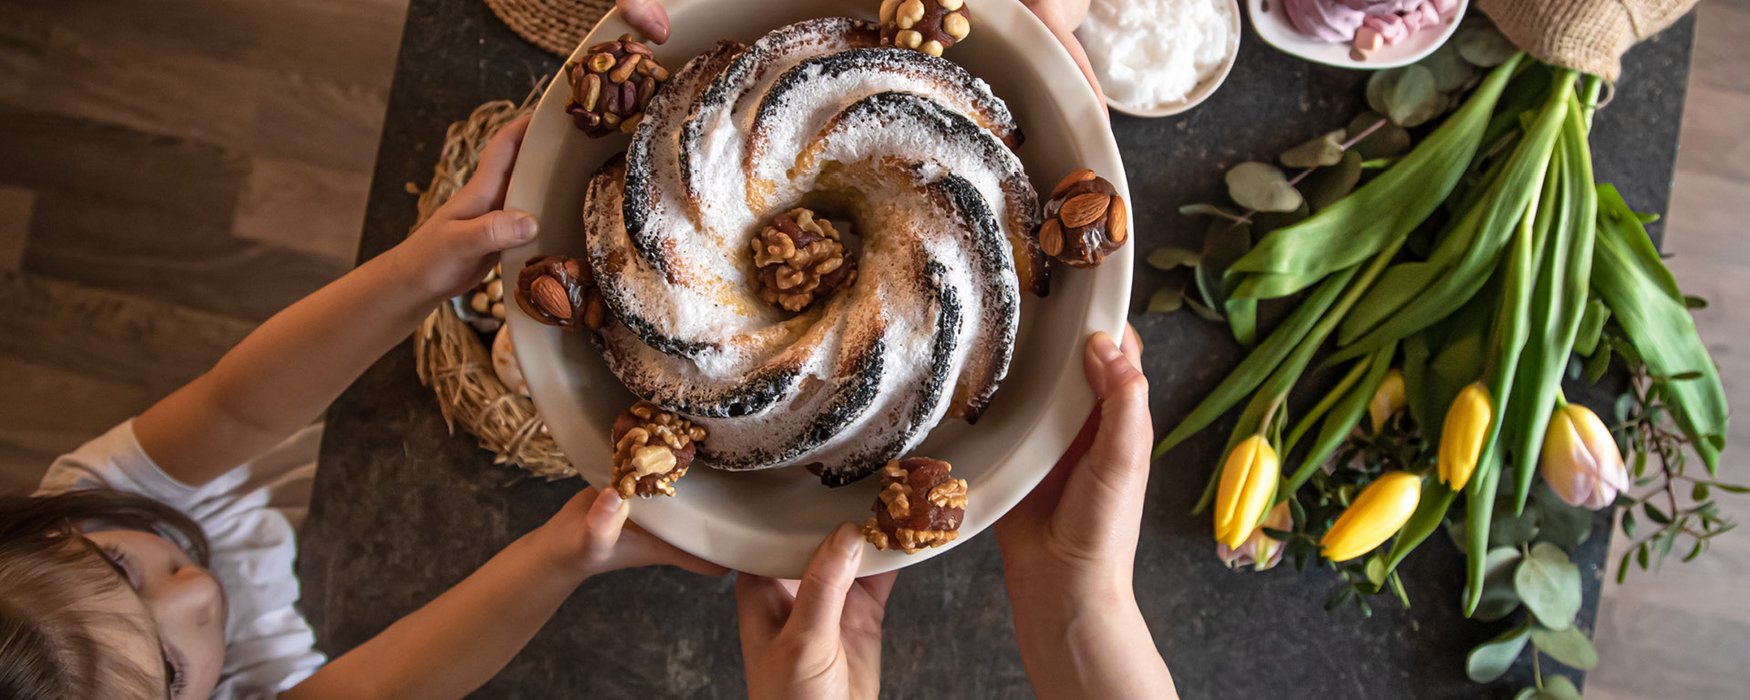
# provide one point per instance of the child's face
(184, 604)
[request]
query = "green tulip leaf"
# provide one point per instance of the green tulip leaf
(1317, 153)
(1223, 243)
(1166, 300)
(1384, 141)
(1499, 598)
(1170, 258)
(1327, 185)
(1491, 659)
(1591, 328)
(1550, 586)
(1483, 46)
(1262, 187)
(1569, 646)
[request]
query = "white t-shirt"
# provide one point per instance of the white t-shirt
(250, 515)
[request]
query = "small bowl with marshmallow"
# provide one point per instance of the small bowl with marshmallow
(1157, 58)
(1360, 34)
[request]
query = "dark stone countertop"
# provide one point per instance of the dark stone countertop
(402, 510)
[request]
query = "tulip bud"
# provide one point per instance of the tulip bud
(1374, 516)
(1260, 551)
(1580, 459)
(1387, 400)
(1461, 440)
(1248, 480)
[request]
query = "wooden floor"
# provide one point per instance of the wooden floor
(172, 172)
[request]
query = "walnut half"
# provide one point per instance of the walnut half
(920, 506)
(800, 259)
(652, 450)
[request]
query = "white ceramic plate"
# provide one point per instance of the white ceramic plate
(1272, 24)
(769, 522)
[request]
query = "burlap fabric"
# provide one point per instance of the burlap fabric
(1586, 35)
(555, 25)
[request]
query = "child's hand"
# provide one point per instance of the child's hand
(590, 535)
(646, 16)
(453, 249)
(820, 637)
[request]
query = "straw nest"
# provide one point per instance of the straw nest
(450, 355)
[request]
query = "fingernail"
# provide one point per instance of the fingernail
(607, 505)
(850, 541)
(1102, 348)
(524, 226)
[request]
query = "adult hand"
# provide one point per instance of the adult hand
(452, 250)
(820, 637)
(646, 16)
(1069, 547)
(590, 535)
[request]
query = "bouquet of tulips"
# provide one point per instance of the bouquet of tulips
(1452, 293)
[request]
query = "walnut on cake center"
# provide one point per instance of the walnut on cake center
(800, 259)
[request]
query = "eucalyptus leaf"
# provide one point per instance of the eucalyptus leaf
(1550, 586)
(1558, 687)
(1317, 153)
(1412, 99)
(1568, 645)
(1170, 258)
(1272, 220)
(1511, 530)
(1491, 659)
(1526, 694)
(1386, 140)
(1559, 523)
(1450, 70)
(1483, 46)
(1327, 185)
(1166, 300)
(1207, 210)
(1499, 599)
(1262, 187)
(1202, 311)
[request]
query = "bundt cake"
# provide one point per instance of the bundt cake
(909, 150)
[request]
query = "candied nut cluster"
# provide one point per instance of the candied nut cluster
(930, 26)
(800, 259)
(560, 291)
(652, 450)
(483, 306)
(1085, 220)
(612, 84)
(920, 506)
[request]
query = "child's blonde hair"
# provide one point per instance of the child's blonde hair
(50, 634)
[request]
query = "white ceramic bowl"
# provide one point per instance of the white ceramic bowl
(1198, 94)
(1272, 25)
(769, 522)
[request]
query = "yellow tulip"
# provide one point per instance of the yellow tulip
(1461, 440)
(1248, 479)
(1387, 400)
(1260, 551)
(1374, 516)
(1580, 459)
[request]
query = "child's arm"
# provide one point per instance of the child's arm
(282, 376)
(457, 642)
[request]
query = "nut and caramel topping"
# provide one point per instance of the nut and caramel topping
(1085, 220)
(920, 505)
(800, 259)
(561, 291)
(611, 85)
(930, 26)
(652, 450)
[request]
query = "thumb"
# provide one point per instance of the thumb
(820, 597)
(1106, 487)
(606, 518)
(646, 16)
(492, 232)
